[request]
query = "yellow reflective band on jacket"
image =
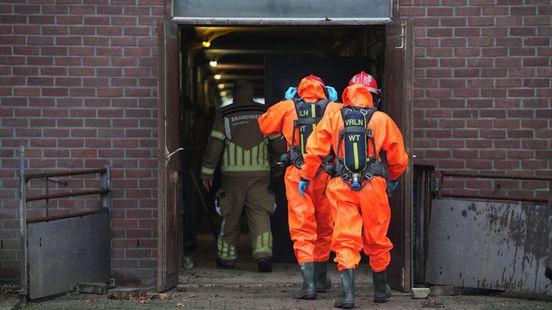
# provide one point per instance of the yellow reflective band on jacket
(207, 171)
(236, 159)
(263, 243)
(225, 250)
(218, 135)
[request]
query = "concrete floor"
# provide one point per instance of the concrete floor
(206, 287)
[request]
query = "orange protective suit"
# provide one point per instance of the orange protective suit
(309, 217)
(361, 217)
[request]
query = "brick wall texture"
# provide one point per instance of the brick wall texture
(482, 88)
(78, 89)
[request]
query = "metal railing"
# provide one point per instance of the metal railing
(104, 191)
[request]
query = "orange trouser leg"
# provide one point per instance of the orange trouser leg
(324, 219)
(347, 234)
(301, 218)
(376, 216)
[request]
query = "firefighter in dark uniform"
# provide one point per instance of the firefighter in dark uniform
(245, 168)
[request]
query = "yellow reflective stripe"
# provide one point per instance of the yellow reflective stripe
(247, 157)
(217, 134)
(237, 159)
(265, 158)
(226, 155)
(207, 171)
(259, 244)
(261, 151)
(355, 154)
(232, 153)
(254, 156)
(313, 110)
(226, 250)
(278, 136)
(263, 243)
(301, 142)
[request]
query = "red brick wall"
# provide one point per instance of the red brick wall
(78, 89)
(482, 88)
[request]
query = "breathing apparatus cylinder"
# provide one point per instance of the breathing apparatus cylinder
(354, 140)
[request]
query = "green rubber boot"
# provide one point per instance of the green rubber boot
(347, 299)
(321, 280)
(382, 290)
(308, 290)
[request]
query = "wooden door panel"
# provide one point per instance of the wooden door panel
(168, 166)
(397, 102)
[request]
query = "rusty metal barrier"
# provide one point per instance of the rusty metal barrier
(104, 191)
(443, 174)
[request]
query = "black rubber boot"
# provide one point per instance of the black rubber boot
(347, 299)
(264, 264)
(321, 280)
(382, 291)
(225, 264)
(308, 290)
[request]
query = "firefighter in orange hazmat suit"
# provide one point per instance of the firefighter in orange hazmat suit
(361, 136)
(309, 217)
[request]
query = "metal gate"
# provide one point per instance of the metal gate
(57, 252)
(488, 243)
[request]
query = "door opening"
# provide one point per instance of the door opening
(273, 58)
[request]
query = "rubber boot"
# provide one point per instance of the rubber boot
(382, 291)
(264, 264)
(321, 280)
(225, 264)
(347, 299)
(308, 290)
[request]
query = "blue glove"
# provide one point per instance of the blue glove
(332, 93)
(290, 93)
(393, 185)
(303, 186)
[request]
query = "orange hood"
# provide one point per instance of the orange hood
(357, 95)
(311, 90)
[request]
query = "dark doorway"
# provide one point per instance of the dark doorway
(274, 58)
